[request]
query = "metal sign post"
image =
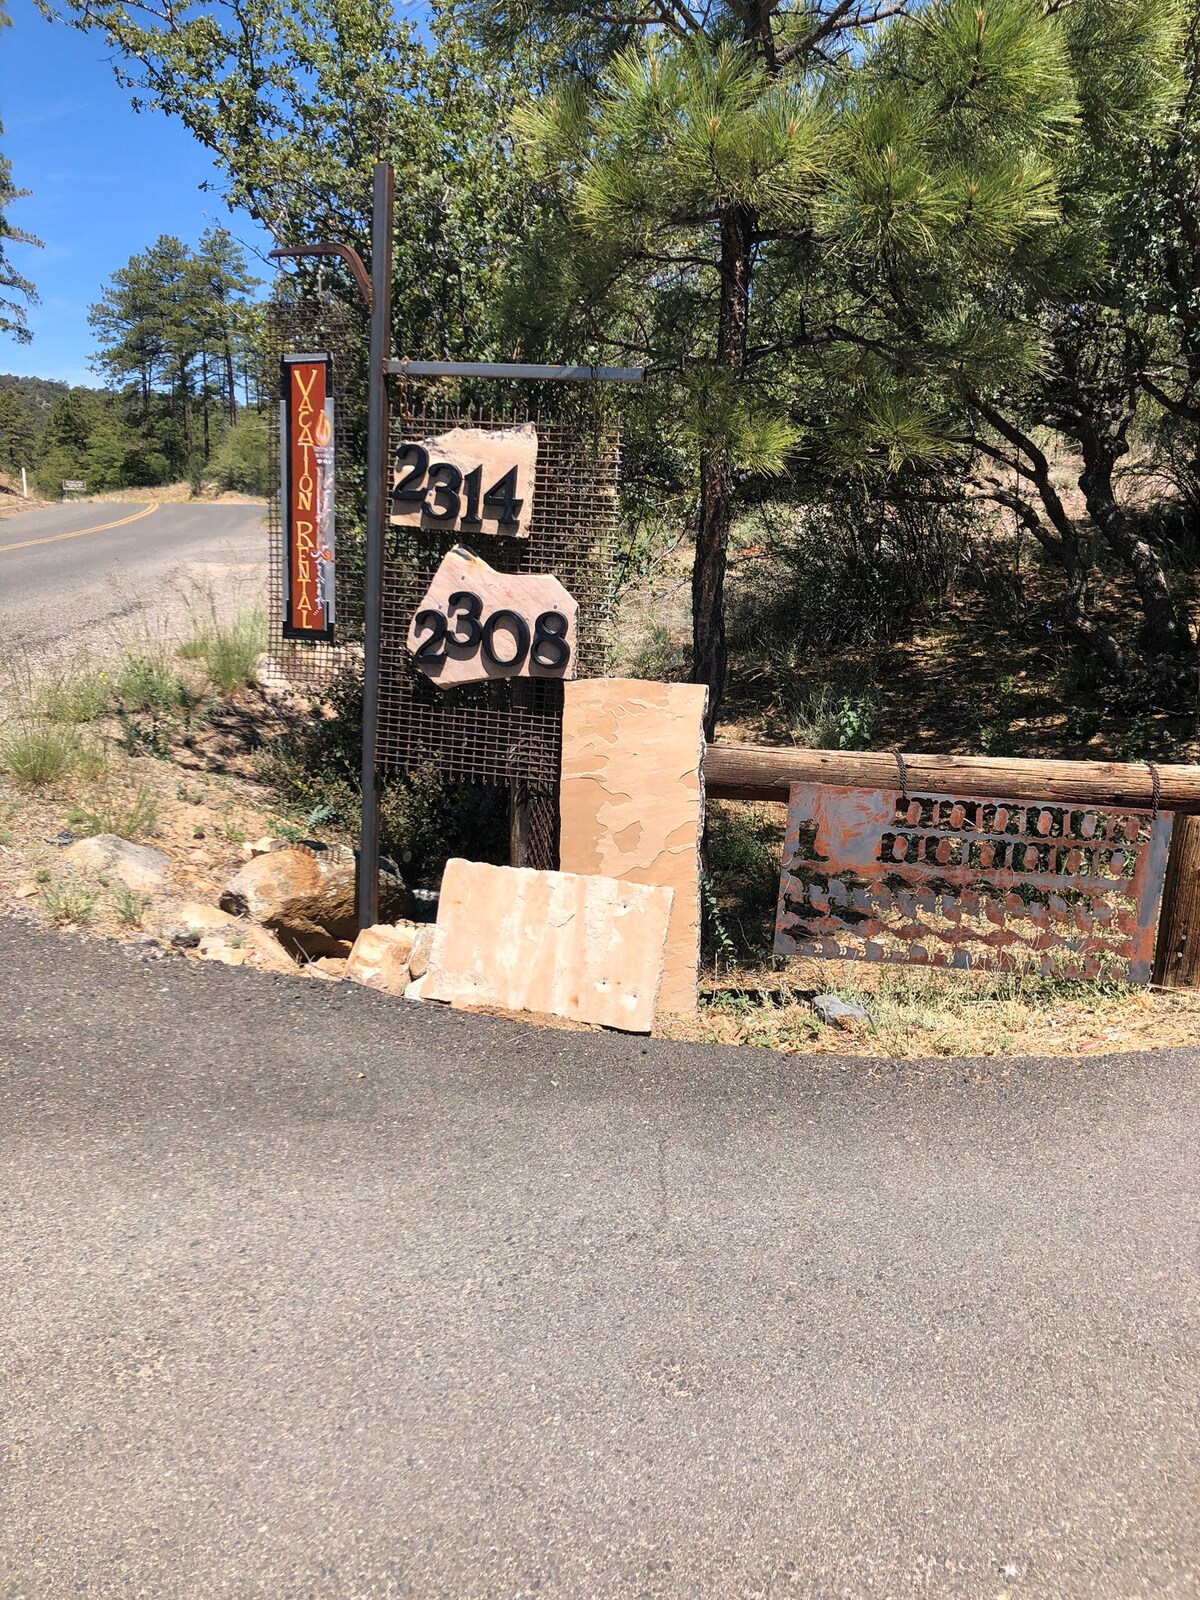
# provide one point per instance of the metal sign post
(367, 897)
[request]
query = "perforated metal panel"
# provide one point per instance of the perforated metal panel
(952, 881)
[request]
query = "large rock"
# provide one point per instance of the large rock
(186, 923)
(586, 948)
(247, 946)
(305, 894)
(138, 866)
(381, 955)
(632, 802)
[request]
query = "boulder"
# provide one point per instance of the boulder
(185, 924)
(380, 958)
(305, 894)
(418, 961)
(247, 946)
(138, 866)
(326, 967)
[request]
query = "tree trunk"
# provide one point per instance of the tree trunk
(716, 474)
(1164, 633)
(204, 402)
(230, 380)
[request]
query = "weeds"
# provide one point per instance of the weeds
(229, 649)
(82, 696)
(128, 818)
(129, 906)
(38, 753)
(67, 901)
(833, 721)
(146, 683)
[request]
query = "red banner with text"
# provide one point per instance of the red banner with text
(307, 459)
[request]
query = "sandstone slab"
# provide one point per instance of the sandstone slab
(247, 946)
(138, 866)
(189, 921)
(418, 960)
(631, 802)
(586, 948)
(498, 637)
(431, 498)
(380, 957)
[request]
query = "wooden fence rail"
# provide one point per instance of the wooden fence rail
(764, 772)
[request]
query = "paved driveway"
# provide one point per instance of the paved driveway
(309, 1293)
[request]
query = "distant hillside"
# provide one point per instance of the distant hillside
(36, 395)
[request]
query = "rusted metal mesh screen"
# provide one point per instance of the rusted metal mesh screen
(948, 881)
(299, 324)
(502, 732)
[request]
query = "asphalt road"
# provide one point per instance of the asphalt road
(312, 1293)
(88, 573)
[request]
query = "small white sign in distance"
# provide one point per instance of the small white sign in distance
(475, 624)
(74, 486)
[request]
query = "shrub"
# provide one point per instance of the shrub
(146, 683)
(423, 820)
(82, 696)
(832, 721)
(228, 649)
(67, 901)
(38, 752)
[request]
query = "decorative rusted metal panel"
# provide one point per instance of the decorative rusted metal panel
(950, 881)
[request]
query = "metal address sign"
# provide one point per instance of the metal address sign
(467, 480)
(307, 465)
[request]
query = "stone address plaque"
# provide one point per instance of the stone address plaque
(475, 623)
(468, 480)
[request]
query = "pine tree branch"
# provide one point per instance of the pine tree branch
(844, 18)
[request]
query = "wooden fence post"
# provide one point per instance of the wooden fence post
(1177, 957)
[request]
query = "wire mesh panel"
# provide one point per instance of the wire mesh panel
(298, 324)
(501, 732)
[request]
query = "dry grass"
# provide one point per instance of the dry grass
(921, 1012)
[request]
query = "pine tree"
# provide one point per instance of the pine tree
(17, 292)
(791, 218)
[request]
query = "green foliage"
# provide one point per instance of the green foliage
(228, 647)
(423, 821)
(240, 462)
(68, 902)
(17, 293)
(833, 721)
(145, 682)
(37, 753)
(81, 694)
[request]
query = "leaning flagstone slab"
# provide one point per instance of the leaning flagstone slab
(632, 802)
(586, 948)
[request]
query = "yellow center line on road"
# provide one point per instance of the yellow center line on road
(53, 538)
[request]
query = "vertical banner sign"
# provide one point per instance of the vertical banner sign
(306, 496)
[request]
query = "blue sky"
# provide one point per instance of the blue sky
(106, 182)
